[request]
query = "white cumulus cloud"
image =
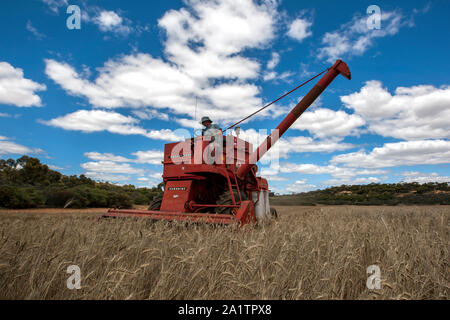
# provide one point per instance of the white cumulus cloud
(420, 177)
(113, 122)
(111, 167)
(323, 123)
(273, 62)
(9, 147)
(105, 157)
(204, 64)
(398, 154)
(149, 156)
(354, 37)
(417, 112)
(300, 29)
(299, 186)
(17, 90)
(110, 21)
(54, 5)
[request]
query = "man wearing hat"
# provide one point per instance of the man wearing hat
(213, 131)
(210, 128)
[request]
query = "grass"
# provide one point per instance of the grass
(310, 253)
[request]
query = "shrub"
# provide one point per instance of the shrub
(15, 197)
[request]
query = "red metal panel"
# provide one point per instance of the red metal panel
(178, 152)
(206, 168)
(246, 213)
(176, 195)
(263, 184)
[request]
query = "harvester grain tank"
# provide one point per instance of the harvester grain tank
(228, 191)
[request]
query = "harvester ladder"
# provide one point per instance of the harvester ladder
(234, 186)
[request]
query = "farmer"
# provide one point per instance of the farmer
(210, 128)
(210, 132)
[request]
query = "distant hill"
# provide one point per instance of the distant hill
(27, 183)
(372, 194)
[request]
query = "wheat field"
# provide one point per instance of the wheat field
(309, 253)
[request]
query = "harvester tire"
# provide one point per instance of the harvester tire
(225, 199)
(156, 202)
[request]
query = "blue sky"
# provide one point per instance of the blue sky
(104, 99)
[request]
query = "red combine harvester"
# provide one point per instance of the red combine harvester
(223, 188)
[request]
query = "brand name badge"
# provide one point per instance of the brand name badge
(180, 156)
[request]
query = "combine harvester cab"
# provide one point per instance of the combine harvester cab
(213, 179)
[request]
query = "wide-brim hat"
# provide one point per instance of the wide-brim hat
(205, 119)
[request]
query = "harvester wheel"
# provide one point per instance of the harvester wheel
(225, 199)
(156, 202)
(274, 213)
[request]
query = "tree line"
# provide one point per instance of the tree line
(412, 193)
(27, 183)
